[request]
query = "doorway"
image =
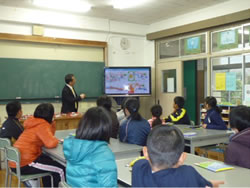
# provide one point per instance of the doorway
(195, 79)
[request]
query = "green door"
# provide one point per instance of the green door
(189, 69)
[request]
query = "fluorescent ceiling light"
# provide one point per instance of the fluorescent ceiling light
(122, 4)
(67, 5)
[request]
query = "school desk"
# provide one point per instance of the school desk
(121, 150)
(64, 121)
(238, 177)
(203, 137)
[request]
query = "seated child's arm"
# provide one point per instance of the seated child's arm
(216, 183)
(131, 164)
(168, 119)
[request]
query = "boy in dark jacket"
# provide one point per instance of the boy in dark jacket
(164, 165)
(238, 150)
(12, 128)
(179, 116)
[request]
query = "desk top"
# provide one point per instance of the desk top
(202, 133)
(117, 147)
(57, 116)
(238, 177)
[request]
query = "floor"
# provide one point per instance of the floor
(2, 180)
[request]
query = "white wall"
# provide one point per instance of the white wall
(222, 9)
(140, 52)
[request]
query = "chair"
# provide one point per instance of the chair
(13, 154)
(3, 143)
(63, 184)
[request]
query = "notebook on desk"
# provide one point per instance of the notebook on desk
(214, 166)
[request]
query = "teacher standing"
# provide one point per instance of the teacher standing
(69, 96)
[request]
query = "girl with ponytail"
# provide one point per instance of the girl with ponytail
(156, 111)
(213, 119)
(135, 128)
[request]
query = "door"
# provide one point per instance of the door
(190, 75)
(169, 83)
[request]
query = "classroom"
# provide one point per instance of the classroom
(191, 48)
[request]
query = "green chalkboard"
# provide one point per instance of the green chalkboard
(44, 79)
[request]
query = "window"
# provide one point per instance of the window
(246, 36)
(169, 49)
(193, 45)
(227, 79)
(227, 39)
(247, 80)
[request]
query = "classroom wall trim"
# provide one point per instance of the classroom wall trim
(50, 40)
(201, 25)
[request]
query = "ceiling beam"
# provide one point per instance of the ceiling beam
(201, 25)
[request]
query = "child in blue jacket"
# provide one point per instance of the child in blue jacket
(213, 119)
(90, 161)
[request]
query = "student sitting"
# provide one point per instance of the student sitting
(156, 111)
(179, 116)
(106, 102)
(90, 162)
(213, 118)
(134, 129)
(238, 151)
(12, 128)
(38, 133)
(164, 165)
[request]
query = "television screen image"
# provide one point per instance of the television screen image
(127, 80)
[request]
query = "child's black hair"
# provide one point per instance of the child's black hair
(105, 102)
(133, 105)
(239, 117)
(179, 101)
(165, 145)
(12, 108)
(45, 111)
(156, 111)
(95, 125)
(212, 102)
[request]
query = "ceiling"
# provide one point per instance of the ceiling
(153, 11)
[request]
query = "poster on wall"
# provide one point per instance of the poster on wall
(231, 81)
(220, 81)
(169, 81)
(192, 45)
(228, 39)
(170, 85)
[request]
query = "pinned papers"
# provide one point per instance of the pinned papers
(220, 81)
(225, 81)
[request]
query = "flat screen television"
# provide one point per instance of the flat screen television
(121, 81)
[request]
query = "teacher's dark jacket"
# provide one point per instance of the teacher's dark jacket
(69, 100)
